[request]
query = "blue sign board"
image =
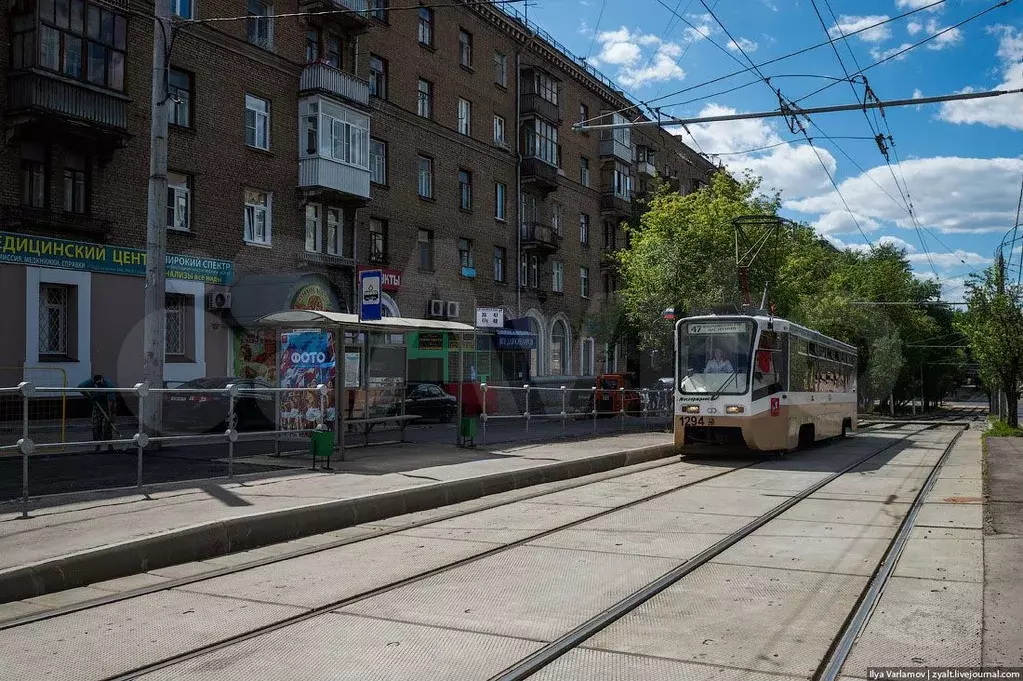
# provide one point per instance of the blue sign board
(370, 290)
(514, 339)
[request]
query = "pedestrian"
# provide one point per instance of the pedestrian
(104, 407)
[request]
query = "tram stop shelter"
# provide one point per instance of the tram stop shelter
(370, 363)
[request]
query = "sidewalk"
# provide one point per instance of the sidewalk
(107, 531)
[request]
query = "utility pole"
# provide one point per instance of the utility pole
(1000, 283)
(154, 324)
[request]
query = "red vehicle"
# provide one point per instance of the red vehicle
(610, 396)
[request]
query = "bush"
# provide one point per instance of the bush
(1002, 429)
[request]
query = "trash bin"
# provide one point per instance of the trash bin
(467, 429)
(321, 444)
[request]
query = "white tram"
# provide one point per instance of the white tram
(762, 382)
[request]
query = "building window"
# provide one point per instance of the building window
(313, 228)
(182, 8)
(79, 40)
(545, 86)
(377, 240)
(257, 122)
(53, 319)
(610, 236)
(258, 207)
(584, 113)
(584, 282)
(260, 24)
(465, 190)
(584, 171)
(174, 319)
(621, 181)
(586, 357)
(558, 277)
(464, 117)
(378, 162)
(500, 193)
(334, 52)
(559, 349)
(499, 137)
(425, 250)
(378, 10)
(179, 202)
(465, 255)
(426, 26)
(500, 257)
(312, 45)
(465, 48)
(33, 175)
(179, 89)
(534, 271)
(75, 189)
(378, 76)
(334, 235)
(426, 177)
(501, 69)
(556, 218)
(335, 132)
(584, 229)
(541, 141)
(425, 108)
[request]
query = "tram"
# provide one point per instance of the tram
(761, 382)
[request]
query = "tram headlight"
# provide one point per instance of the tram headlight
(692, 409)
(734, 409)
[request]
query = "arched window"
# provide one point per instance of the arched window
(559, 349)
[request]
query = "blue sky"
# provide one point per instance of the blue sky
(961, 164)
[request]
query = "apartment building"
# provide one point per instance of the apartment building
(434, 144)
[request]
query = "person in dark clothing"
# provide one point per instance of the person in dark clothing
(104, 405)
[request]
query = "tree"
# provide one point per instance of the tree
(886, 363)
(993, 324)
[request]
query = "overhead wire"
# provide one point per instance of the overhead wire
(596, 28)
(781, 144)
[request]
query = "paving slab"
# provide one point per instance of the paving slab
(965, 516)
(928, 555)
(849, 512)
(503, 525)
(602, 665)
(838, 555)
(1003, 546)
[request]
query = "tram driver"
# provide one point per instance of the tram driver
(718, 365)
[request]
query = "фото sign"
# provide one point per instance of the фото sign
(38, 251)
(490, 317)
(307, 360)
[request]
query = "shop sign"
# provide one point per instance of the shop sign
(431, 341)
(511, 339)
(490, 317)
(38, 251)
(313, 298)
(390, 279)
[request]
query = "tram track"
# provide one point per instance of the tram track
(393, 585)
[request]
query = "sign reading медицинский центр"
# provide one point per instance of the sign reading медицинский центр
(38, 251)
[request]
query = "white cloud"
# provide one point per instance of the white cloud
(946, 261)
(914, 27)
(917, 93)
(848, 24)
(947, 39)
(1005, 111)
(916, 4)
(745, 43)
(641, 58)
(845, 223)
(879, 54)
(950, 195)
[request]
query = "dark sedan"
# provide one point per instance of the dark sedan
(429, 402)
(207, 412)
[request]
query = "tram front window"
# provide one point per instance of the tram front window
(714, 356)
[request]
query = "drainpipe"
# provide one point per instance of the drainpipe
(518, 187)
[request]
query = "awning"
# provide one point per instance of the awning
(257, 295)
(515, 339)
(313, 318)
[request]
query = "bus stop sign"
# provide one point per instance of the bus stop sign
(370, 284)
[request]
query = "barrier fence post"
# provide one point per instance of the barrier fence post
(526, 388)
(594, 399)
(564, 410)
(621, 407)
(25, 447)
(140, 439)
(483, 411)
(646, 406)
(231, 423)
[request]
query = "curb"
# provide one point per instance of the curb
(221, 537)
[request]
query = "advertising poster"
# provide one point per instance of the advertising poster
(254, 355)
(307, 359)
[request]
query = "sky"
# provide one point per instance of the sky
(950, 188)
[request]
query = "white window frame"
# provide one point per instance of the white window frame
(341, 134)
(261, 122)
(464, 117)
(546, 87)
(500, 201)
(558, 276)
(62, 331)
(181, 187)
(501, 69)
(268, 8)
(378, 75)
(179, 372)
(424, 99)
(314, 228)
(176, 6)
(382, 256)
(378, 163)
(500, 264)
(425, 185)
(254, 209)
(500, 125)
(465, 48)
(334, 231)
(425, 26)
(79, 369)
(587, 361)
(174, 314)
(584, 229)
(556, 214)
(584, 282)
(584, 171)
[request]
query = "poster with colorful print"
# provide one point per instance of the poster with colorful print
(307, 360)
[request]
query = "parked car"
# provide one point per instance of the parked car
(207, 412)
(429, 402)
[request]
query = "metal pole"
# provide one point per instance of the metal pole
(365, 385)
(24, 455)
(621, 407)
(141, 433)
(459, 441)
(403, 390)
(483, 411)
(646, 406)
(526, 387)
(230, 432)
(564, 410)
(154, 324)
(277, 393)
(594, 394)
(343, 378)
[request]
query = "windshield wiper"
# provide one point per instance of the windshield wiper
(720, 390)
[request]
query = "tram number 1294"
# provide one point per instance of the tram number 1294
(696, 421)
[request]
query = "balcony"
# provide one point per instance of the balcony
(356, 18)
(539, 237)
(53, 223)
(613, 203)
(349, 183)
(541, 173)
(324, 78)
(609, 260)
(534, 104)
(646, 168)
(613, 148)
(93, 112)
(328, 260)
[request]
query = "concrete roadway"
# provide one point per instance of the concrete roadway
(479, 592)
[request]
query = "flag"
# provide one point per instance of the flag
(669, 313)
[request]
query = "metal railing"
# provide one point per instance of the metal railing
(649, 406)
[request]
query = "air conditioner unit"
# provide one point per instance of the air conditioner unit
(453, 309)
(436, 308)
(218, 300)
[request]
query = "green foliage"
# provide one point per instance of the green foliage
(885, 364)
(1002, 429)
